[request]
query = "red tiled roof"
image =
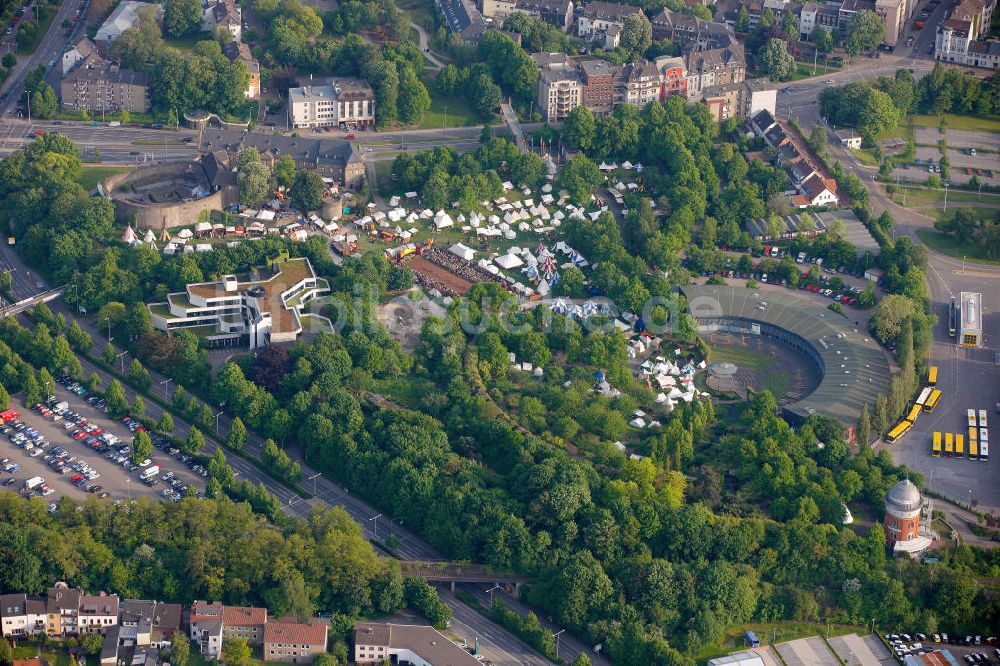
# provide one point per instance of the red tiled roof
(295, 632)
(243, 616)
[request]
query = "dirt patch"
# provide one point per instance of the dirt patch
(432, 276)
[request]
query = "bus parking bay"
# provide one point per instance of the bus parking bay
(114, 479)
(961, 478)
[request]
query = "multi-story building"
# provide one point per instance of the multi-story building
(264, 310)
(818, 14)
(757, 8)
(714, 67)
(956, 37)
(22, 616)
(740, 100)
(689, 31)
(555, 12)
(673, 77)
(62, 611)
(105, 87)
(603, 21)
(951, 43)
(83, 50)
(984, 54)
(893, 14)
(294, 642)
(344, 102)
(638, 84)
(240, 51)
(98, 613)
(598, 77)
(463, 18)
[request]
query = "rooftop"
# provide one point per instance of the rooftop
(427, 642)
(107, 72)
(313, 633)
(855, 369)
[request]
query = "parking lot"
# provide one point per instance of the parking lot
(968, 650)
(115, 479)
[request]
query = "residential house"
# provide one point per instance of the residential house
(555, 12)
(603, 21)
(762, 121)
(62, 611)
(98, 613)
(79, 53)
(743, 99)
(143, 622)
(957, 37)
(21, 616)
(264, 311)
(294, 642)
(673, 77)
(126, 15)
(984, 54)
(951, 43)
(637, 83)
(248, 621)
(463, 18)
(688, 30)
(816, 191)
(847, 138)
(104, 87)
(894, 14)
(376, 643)
(206, 629)
(240, 51)
(225, 14)
(111, 646)
(818, 14)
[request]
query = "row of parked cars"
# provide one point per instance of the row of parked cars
(907, 644)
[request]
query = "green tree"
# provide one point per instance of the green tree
(181, 17)
(414, 100)
(237, 435)
(194, 442)
(109, 354)
(206, 418)
(254, 180)
(166, 423)
(307, 191)
(79, 339)
(180, 649)
(44, 102)
(179, 399)
(236, 652)
(91, 644)
(139, 376)
(581, 178)
(9, 59)
(6, 652)
(142, 446)
(115, 397)
(284, 171)
(775, 60)
(864, 32)
(138, 406)
(579, 128)
(637, 34)
(486, 96)
(822, 39)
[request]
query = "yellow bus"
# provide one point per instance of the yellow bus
(959, 445)
(901, 429)
(932, 401)
(936, 446)
(973, 449)
(932, 375)
(970, 416)
(984, 445)
(949, 445)
(914, 413)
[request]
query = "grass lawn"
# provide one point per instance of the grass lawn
(187, 42)
(918, 195)
(383, 176)
(90, 176)
(945, 244)
(865, 157)
(777, 383)
(746, 358)
(45, 14)
(970, 123)
(448, 112)
(781, 632)
(805, 70)
(26, 651)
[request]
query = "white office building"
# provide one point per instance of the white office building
(347, 103)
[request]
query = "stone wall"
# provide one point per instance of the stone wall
(158, 216)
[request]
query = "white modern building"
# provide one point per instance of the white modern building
(347, 103)
(265, 310)
(378, 643)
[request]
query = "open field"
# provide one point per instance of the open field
(916, 196)
(448, 112)
(945, 244)
(865, 157)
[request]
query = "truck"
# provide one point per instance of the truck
(60, 406)
(33, 482)
(149, 472)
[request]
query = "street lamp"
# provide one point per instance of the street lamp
(164, 384)
(556, 636)
(108, 320)
(122, 357)
(217, 422)
(374, 521)
(491, 591)
(313, 479)
(945, 196)
(28, 94)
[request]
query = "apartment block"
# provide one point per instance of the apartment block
(22, 616)
(143, 622)
(740, 100)
(714, 67)
(62, 611)
(344, 102)
(295, 642)
(603, 21)
(102, 86)
(957, 37)
(555, 12)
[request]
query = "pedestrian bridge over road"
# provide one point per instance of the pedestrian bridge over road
(455, 572)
